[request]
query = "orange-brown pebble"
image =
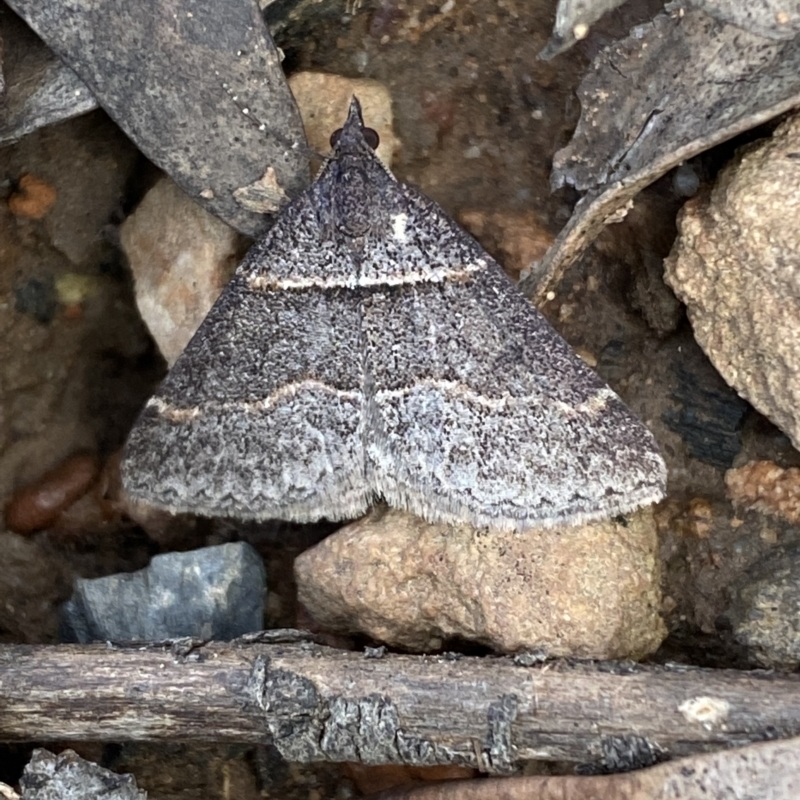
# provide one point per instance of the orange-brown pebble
(766, 487)
(516, 239)
(73, 312)
(37, 506)
(33, 198)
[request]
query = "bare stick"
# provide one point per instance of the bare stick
(765, 771)
(315, 703)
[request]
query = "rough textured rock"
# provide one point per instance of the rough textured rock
(323, 101)
(764, 486)
(211, 593)
(765, 610)
(67, 776)
(588, 590)
(736, 265)
(181, 257)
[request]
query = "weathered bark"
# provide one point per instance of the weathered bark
(675, 87)
(765, 771)
(315, 703)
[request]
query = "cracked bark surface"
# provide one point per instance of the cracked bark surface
(315, 704)
(674, 88)
(765, 771)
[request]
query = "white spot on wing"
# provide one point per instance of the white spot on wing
(399, 227)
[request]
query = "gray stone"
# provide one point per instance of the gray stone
(212, 593)
(765, 612)
(67, 776)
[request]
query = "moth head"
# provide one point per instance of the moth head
(354, 129)
(370, 137)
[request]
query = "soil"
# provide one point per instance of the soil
(479, 118)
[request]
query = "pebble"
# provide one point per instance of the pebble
(685, 180)
(587, 590)
(181, 256)
(73, 288)
(736, 265)
(37, 297)
(33, 198)
(211, 593)
(518, 239)
(38, 506)
(767, 487)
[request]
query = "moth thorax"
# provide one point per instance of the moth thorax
(355, 203)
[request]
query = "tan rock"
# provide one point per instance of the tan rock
(589, 590)
(736, 265)
(516, 239)
(764, 486)
(181, 257)
(324, 99)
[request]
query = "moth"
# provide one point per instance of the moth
(368, 348)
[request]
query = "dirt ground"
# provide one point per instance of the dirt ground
(479, 119)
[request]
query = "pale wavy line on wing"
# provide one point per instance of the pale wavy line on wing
(458, 274)
(177, 413)
(591, 406)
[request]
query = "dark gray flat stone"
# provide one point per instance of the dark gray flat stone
(212, 593)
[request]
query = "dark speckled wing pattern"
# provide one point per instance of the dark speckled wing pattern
(367, 347)
(262, 414)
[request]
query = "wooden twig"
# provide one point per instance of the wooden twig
(765, 771)
(315, 703)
